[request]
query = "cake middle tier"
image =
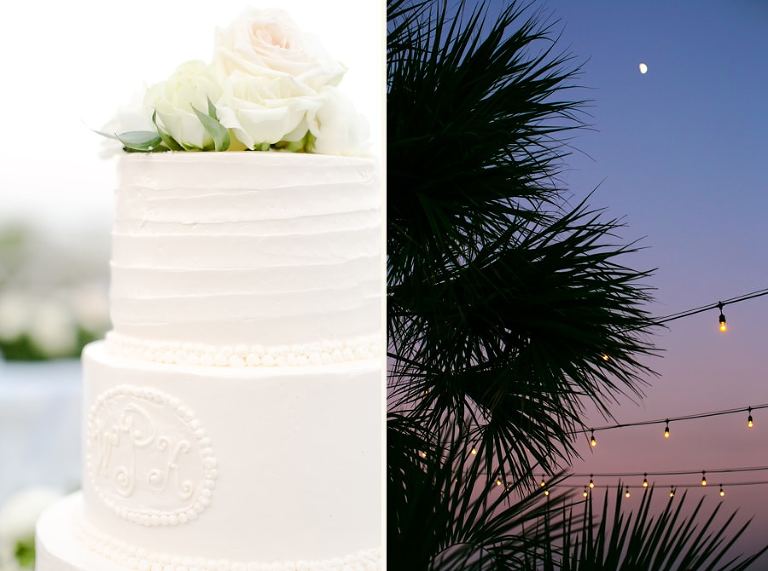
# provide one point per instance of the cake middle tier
(246, 248)
(238, 464)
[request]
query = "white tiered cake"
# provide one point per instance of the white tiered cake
(232, 418)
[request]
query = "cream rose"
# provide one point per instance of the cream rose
(268, 43)
(267, 109)
(338, 128)
(191, 85)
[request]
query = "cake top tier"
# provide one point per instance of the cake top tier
(247, 257)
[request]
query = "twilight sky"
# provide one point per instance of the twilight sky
(682, 153)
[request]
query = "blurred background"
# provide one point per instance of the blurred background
(67, 68)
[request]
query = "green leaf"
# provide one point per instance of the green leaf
(168, 141)
(309, 142)
(304, 145)
(24, 552)
(216, 130)
(142, 141)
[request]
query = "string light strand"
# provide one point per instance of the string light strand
(668, 420)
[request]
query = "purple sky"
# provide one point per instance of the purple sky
(682, 153)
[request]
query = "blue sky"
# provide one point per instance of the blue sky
(681, 154)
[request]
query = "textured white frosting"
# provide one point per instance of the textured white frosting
(294, 454)
(247, 248)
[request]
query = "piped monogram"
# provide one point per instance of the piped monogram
(148, 457)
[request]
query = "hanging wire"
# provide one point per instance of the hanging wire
(709, 307)
(667, 420)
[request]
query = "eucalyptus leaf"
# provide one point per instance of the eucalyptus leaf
(168, 141)
(107, 135)
(143, 141)
(216, 130)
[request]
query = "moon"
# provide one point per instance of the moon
(643, 68)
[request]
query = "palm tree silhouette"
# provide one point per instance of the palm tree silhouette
(508, 308)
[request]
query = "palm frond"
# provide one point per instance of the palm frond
(635, 541)
(444, 514)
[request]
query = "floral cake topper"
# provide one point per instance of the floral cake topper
(269, 86)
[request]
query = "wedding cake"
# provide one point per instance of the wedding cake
(232, 417)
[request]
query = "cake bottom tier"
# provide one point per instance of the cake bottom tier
(248, 464)
(66, 542)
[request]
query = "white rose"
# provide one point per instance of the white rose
(191, 85)
(133, 116)
(18, 516)
(266, 109)
(339, 129)
(53, 329)
(267, 42)
(15, 310)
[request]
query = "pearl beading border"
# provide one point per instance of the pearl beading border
(136, 558)
(147, 517)
(237, 356)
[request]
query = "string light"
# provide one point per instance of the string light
(543, 483)
(674, 485)
(671, 492)
(473, 451)
(750, 423)
(721, 319)
(626, 492)
(703, 478)
(667, 421)
(498, 481)
(709, 307)
(422, 454)
(546, 492)
(645, 480)
(738, 469)
(722, 491)
(666, 429)
(591, 482)
(593, 440)
(585, 493)
(606, 357)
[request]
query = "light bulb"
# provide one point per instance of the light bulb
(645, 480)
(546, 492)
(721, 320)
(671, 492)
(591, 482)
(750, 424)
(606, 357)
(543, 483)
(585, 493)
(703, 478)
(593, 440)
(473, 451)
(498, 481)
(422, 454)
(666, 430)
(626, 493)
(722, 491)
